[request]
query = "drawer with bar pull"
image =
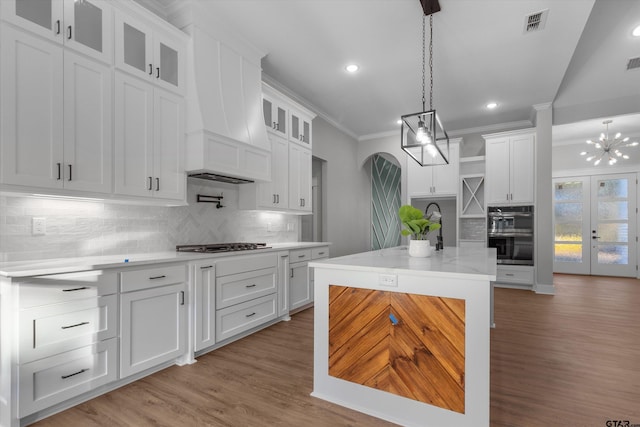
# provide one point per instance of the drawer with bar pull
(242, 287)
(241, 317)
(56, 328)
(46, 382)
(135, 280)
(55, 288)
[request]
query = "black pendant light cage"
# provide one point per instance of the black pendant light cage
(433, 149)
(422, 135)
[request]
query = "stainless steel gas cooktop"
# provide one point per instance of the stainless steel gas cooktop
(221, 247)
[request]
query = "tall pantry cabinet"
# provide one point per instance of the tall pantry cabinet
(92, 100)
(56, 101)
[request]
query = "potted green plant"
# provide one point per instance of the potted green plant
(417, 226)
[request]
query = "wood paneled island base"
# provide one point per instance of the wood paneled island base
(409, 345)
(405, 339)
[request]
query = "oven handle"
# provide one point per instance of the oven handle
(507, 234)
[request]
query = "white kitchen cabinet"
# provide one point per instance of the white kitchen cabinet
(276, 115)
(149, 140)
(275, 193)
(68, 96)
(66, 330)
(152, 317)
(300, 279)
(300, 125)
(300, 161)
(148, 52)
(246, 293)
(84, 26)
(510, 173)
(204, 308)
(429, 181)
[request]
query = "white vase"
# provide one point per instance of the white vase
(419, 248)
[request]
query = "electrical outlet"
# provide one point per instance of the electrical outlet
(388, 280)
(269, 227)
(38, 226)
(291, 226)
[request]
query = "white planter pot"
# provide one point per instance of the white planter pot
(419, 248)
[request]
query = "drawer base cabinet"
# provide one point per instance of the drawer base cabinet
(241, 317)
(52, 380)
(518, 277)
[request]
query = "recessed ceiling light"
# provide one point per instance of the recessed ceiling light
(492, 105)
(636, 31)
(352, 68)
(399, 122)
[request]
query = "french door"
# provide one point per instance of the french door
(595, 225)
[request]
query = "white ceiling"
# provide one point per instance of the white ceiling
(481, 54)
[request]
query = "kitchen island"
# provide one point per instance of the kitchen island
(406, 339)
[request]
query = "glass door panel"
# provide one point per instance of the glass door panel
(135, 47)
(168, 65)
(613, 247)
(571, 213)
(88, 25)
(39, 12)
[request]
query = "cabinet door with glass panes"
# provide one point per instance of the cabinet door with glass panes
(84, 25)
(146, 51)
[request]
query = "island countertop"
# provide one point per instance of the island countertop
(478, 263)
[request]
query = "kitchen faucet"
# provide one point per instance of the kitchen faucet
(435, 216)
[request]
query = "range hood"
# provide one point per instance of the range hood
(226, 138)
(209, 176)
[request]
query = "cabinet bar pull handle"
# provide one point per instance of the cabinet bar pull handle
(252, 314)
(251, 286)
(70, 172)
(204, 267)
(320, 253)
(291, 273)
(157, 277)
(150, 69)
(181, 297)
(508, 274)
(59, 171)
(277, 198)
(81, 371)
(75, 289)
(274, 125)
(274, 198)
(157, 72)
(150, 183)
(75, 326)
(69, 28)
(157, 184)
(58, 26)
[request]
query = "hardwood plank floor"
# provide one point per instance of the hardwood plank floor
(570, 359)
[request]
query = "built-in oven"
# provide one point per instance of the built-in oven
(510, 231)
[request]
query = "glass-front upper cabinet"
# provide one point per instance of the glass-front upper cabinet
(149, 53)
(300, 129)
(275, 116)
(80, 24)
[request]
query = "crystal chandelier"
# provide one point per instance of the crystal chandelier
(608, 149)
(422, 136)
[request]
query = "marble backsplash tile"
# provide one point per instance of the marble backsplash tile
(89, 228)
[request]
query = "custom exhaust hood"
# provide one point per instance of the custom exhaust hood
(226, 138)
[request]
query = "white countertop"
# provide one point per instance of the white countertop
(478, 263)
(71, 265)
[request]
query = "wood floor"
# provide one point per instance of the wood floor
(572, 359)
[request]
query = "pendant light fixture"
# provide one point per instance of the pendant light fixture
(608, 149)
(422, 136)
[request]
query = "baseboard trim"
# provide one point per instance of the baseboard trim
(545, 289)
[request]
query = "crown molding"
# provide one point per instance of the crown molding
(306, 103)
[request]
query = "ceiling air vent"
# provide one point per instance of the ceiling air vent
(535, 21)
(633, 63)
